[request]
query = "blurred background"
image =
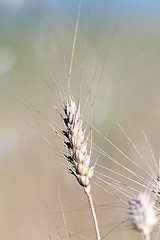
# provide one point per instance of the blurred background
(117, 56)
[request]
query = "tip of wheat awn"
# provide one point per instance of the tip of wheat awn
(142, 213)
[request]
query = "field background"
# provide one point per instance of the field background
(117, 40)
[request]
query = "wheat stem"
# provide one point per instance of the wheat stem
(147, 237)
(90, 200)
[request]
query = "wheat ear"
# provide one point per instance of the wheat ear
(77, 148)
(142, 213)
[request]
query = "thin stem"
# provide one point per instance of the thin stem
(90, 200)
(146, 237)
(64, 220)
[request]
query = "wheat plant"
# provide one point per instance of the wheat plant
(77, 148)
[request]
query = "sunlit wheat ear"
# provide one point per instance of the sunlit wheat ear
(77, 149)
(77, 145)
(142, 213)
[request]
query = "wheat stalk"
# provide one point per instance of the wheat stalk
(77, 149)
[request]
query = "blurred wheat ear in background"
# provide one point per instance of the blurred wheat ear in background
(142, 213)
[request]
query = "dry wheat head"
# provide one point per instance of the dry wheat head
(76, 144)
(142, 213)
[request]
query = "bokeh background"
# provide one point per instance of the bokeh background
(117, 56)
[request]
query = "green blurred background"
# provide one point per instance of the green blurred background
(117, 55)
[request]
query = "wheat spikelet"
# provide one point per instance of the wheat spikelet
(77, 145)
(142, 213)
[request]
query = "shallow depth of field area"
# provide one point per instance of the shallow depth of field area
(116, 66)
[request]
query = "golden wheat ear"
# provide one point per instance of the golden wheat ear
(78, 156)
(142, 213)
